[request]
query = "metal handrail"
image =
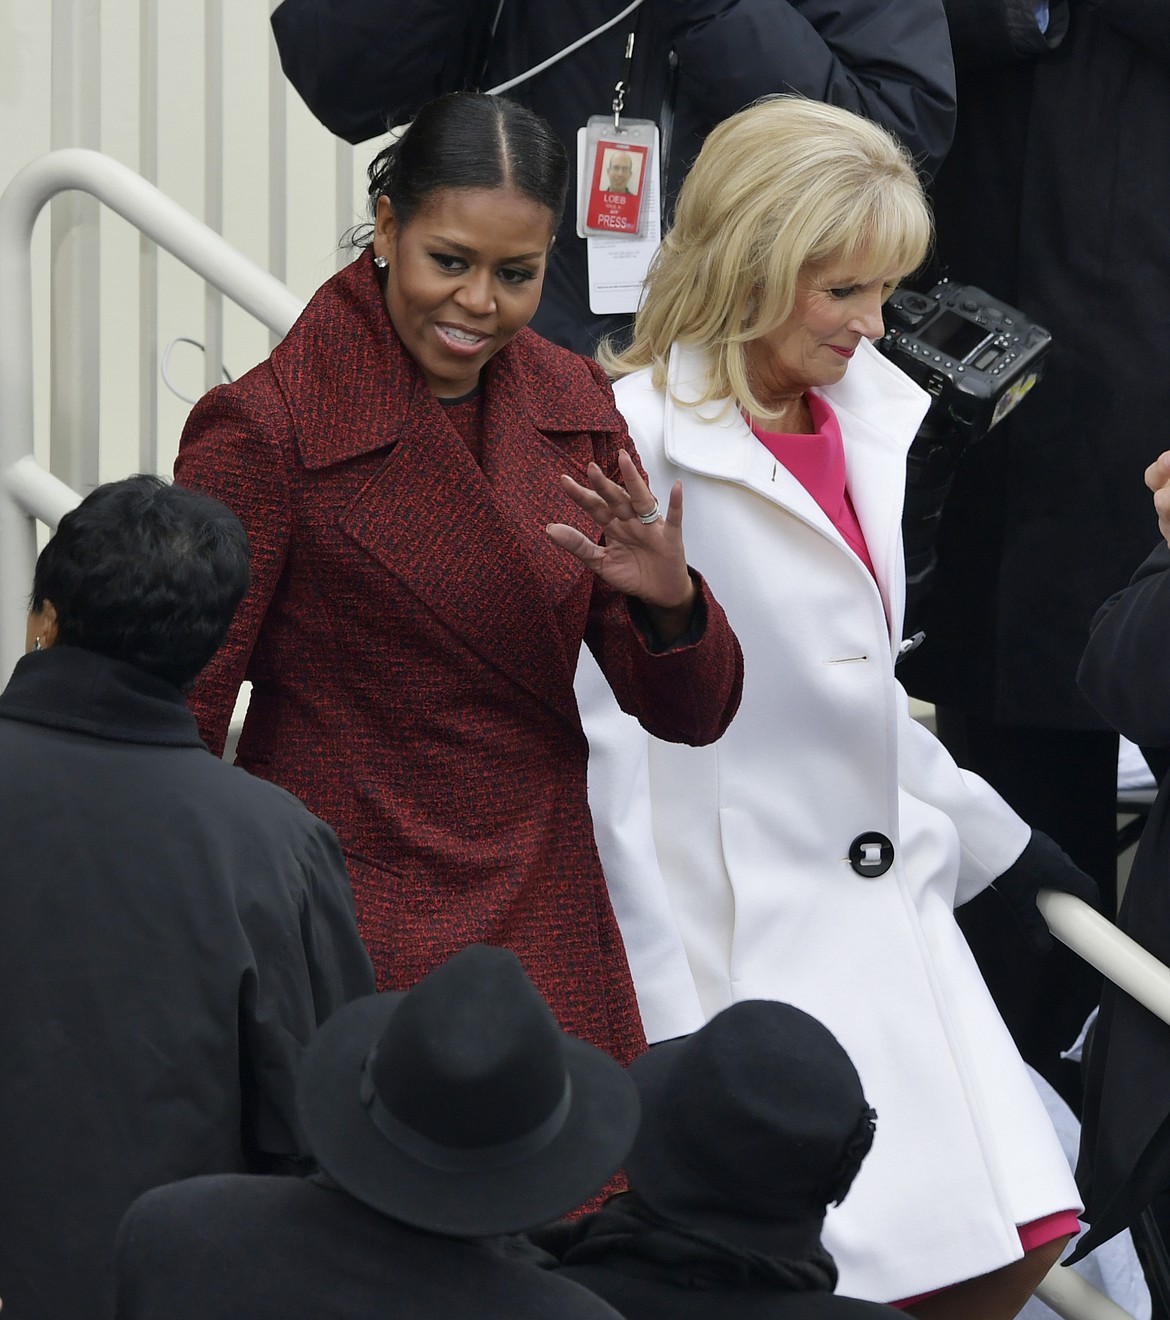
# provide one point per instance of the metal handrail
(1136, 971)
(23, 482)
(1073, 1297)
(1112, 952)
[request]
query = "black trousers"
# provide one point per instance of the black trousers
(1064, 782)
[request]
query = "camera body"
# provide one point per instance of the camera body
(976, 355)
(979, 358)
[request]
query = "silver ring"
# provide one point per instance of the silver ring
(651, 517)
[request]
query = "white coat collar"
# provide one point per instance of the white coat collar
(879, 409)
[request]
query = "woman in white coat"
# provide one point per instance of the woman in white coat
(816, 852)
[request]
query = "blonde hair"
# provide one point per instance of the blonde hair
(779, 189)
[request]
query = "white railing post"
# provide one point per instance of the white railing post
(172, 228)
(277, 166)
(1108, 949)
(213, 126)
(18, 545)
(75, 278)
(1073, 1297)
(148, 152)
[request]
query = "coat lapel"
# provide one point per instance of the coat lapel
(469, 542)
(475, 553)
(879, 409)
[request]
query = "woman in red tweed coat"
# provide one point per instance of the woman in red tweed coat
(424, 481)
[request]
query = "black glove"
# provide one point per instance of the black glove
(1043, 865)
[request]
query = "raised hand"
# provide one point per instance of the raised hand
(641, 553)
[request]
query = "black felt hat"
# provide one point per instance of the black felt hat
(460, 1106)
(751, 1128)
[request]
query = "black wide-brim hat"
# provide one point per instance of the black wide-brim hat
(481, 1188)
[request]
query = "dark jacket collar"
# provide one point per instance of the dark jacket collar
(327, 372)
(66, 687)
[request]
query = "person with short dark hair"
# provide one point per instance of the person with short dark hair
(145, 573)
(750, 1129)
(172, 930)
(442, 508)
(443, 1119)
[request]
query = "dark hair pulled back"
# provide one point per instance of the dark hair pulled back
(470, 140)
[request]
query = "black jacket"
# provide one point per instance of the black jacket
(651, 1268)
(360, 64)
(172, 931)
(1125, 1121)
(227, 1247)
(638, 1296)
(1054, 197)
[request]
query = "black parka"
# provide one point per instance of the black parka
(361, 64)
(1124, 1159)
(230, 1248)
(639, 1295)
(172, 931)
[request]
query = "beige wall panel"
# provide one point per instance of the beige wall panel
(312, 211)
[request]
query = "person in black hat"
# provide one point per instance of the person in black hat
(441, 1117)
(750, 1129)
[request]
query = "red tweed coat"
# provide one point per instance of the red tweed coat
(411, 635)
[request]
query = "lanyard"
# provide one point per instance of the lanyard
(560, 55)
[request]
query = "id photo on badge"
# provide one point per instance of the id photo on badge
(622, 172)
(614, 202)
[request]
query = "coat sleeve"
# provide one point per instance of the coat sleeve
(619, 783)
(145, 1254)
(991, 835)
(230, 449)
(168, 1255)
(889, 60)
(338, 966)
(687, 693)
(309, 960)
(619, 802)
(361, 65)
(1125, 670)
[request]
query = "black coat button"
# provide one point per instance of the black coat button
(871, 854)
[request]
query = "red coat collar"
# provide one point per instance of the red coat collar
(343, 358)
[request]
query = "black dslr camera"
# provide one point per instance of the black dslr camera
(978, 357)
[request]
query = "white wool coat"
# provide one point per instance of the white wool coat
(745, 889)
